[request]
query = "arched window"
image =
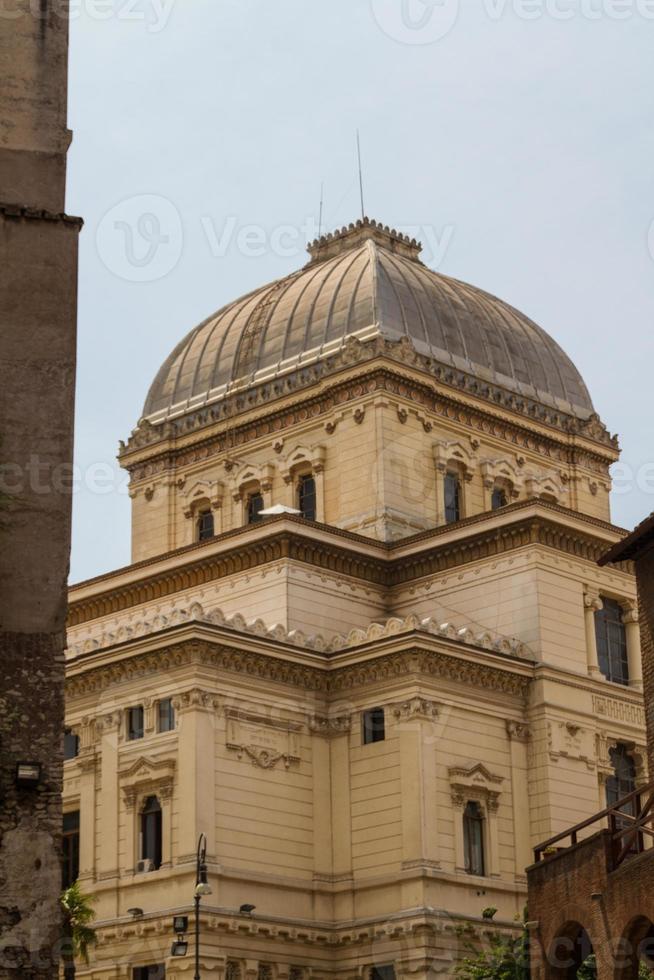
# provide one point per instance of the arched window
(306, 497)
(612, 642)
(205, 525)
(151, 831)
(254, 508)
(499, 498)
(473, 838)
(623, 780)
(452, 498)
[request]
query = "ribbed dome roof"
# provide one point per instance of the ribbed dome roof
(367, 282)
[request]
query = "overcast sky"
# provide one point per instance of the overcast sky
(514, 137)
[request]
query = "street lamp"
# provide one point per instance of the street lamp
(202, 888)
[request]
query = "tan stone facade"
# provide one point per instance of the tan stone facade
(474, 640)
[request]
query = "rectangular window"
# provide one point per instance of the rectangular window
(373, 726)
(135, 723)
(382, 973)
(612, 642)
(71, 745)
(151, 832)
(149, 973)
(307, 497)
(165, 716)
(70, 849)
(452, 498)
(473, 839)
(255, 506)
(205, 525)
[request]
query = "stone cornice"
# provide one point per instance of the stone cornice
(530, 425)
(290, 538)
(20, 211)
(417, 656)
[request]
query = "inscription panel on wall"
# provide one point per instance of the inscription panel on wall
(265, 741)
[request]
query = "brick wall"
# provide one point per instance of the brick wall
(645, 576)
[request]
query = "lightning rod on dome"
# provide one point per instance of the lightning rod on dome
(322, 189)
(363, 210)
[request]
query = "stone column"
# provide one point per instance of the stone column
(592, 604)
(324, 729)
(88, 763)
(341, 817)
(196, 713)
(416, 720)
(631, 622)
(108, 729)
(518, 735)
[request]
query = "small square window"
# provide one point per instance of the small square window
(71, 744)
(374, 727)
(165, 716)
(382, 973)
(135, 728)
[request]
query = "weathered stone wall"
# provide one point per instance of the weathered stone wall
(33, 98)
(38, 289)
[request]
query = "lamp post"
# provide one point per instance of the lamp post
(202, 887)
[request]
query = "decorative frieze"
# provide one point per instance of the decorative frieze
(616, 709)
(330, 726)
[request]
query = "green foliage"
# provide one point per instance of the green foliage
(507, 958)
(504, 958)
(78, 916)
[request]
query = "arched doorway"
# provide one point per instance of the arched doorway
(570, 954)
(635, 952)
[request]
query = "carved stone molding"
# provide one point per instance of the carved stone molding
(477, 783)
(416, 708)
(330, 726)
(195, 699)
(518, 731)
(603, 745)
(145, 777)
(620, 710)
(412, 662)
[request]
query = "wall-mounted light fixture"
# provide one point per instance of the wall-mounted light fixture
(135, 912)
(28, 774)
(247, 909)
(179, 948)
(180, 924)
